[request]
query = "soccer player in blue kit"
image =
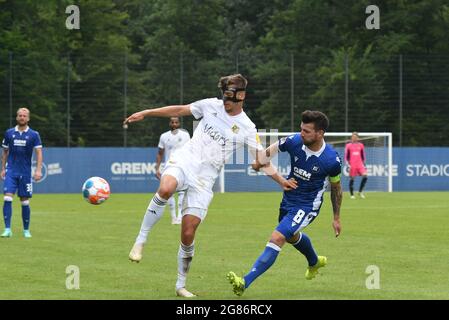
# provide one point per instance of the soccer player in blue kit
(18, 145)
(313, 165)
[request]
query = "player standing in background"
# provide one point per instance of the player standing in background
(224, 128)
(355, 159)
(169, 142)
(18, 145)
(313, 165)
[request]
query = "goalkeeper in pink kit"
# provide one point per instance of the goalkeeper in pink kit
(355, 159)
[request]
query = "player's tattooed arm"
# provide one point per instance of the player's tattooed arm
(336, 198)
(263, 158)
(263, 162)
(272, 150)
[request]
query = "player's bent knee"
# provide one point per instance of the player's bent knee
(277, 238)
(167, 187)
(25, 202)
(7, 198)
(188, 235)
(165, 192)
(294, 239)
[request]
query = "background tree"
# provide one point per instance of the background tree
(175, 51)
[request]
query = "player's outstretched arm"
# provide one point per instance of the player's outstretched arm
(336, 198)
(169, 111)
(285, 184)
(263, 158)
(262, 162)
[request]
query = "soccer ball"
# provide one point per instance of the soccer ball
(96, 190)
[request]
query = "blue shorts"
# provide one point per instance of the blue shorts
(293, 219)
(22, 184)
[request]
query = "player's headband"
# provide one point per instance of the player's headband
(233, 94)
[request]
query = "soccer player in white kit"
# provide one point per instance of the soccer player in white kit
(169, 141)
(224, 128)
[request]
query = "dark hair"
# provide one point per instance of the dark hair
(233, 79)
(319, 119)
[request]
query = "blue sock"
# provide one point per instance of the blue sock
(263, 263)
(305, 247)
(26, 213)
(7, 213)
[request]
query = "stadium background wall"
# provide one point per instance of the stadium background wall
(133, 170)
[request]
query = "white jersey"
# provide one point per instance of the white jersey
(217, 136)
(172, 140)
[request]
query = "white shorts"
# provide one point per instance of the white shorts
(198, 192)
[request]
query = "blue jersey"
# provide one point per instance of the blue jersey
(20, 146)
(311, 170)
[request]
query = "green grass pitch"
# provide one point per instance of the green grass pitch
(404, 234)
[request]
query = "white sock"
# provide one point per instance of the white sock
(153, 214)
(185, 255)
(180, 200)
(172, 205)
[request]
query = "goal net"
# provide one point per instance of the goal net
(237, 175)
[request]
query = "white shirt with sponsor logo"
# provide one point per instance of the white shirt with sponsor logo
(172, 140)
(217, 136)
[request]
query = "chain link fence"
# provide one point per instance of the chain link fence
(82, 100)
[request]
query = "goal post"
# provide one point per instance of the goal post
(239, 177)
(378, 149)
